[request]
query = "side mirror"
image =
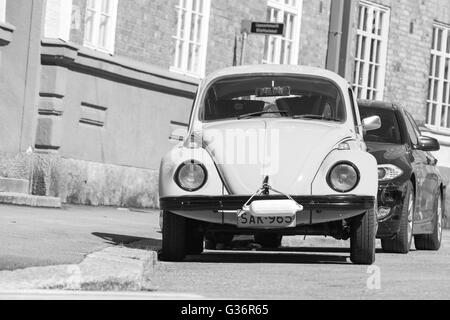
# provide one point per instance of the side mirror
(428, 144)
(371, 123)
(178, 135)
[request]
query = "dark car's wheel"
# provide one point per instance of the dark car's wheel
(174, 246)
(194, 238)
(432, 242)
(401, 242)
(269, 240)
(363, 231)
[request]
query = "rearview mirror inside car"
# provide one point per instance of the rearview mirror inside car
(371, 123)
(428, 144)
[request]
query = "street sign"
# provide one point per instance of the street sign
(266, 28)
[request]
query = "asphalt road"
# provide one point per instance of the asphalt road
(32, 237)
(301, 271)
(315, 268)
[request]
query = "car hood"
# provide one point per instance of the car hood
(387, 153)
(289, 152)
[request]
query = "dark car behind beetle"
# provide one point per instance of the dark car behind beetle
(411, 192)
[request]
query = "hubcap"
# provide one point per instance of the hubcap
(410, 217)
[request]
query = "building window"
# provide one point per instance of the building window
(371, 51)
(191, 37)
(438, 103)
(58, 15)
(283, 49)
(100, 25)
(2, 10)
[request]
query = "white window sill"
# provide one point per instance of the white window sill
(436, 130)
(185, 73)
(92, 47)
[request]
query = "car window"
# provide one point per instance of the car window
(273, 96)
(411, 131)
(390, 130)
(414, 124)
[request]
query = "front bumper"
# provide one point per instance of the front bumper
(224, 209)
(391, 196)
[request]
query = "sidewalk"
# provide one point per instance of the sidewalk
(32, 237)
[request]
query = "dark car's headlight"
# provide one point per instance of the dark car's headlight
(387, 172)
(191, 176)
(343, 177)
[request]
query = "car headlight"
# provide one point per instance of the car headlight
(191, 176)
(387, 172)
(343, 177)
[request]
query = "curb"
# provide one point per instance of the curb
(112, 269)
(22, 199)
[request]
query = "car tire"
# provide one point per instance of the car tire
(269, 240)
(432, 242)
(401, 242)
(194, 238)
(174, 246)
(363, 231)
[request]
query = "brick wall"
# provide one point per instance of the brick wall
(314, 33)
(145, 29)
(225, 23)
(408, 57)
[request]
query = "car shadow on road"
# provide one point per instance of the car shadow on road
(293, 255)
(129, 241)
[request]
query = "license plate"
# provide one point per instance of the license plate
(246, 220)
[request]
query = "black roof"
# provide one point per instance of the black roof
(377, 104)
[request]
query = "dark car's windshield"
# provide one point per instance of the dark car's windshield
(390, 129)
(273, 96)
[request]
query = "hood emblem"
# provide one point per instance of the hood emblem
(265, 190)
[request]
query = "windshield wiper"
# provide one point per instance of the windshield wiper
(315, 117)
(257, 114)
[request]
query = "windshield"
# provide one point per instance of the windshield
(273, 96)
(390, 129)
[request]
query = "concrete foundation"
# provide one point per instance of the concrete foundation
(90, 183)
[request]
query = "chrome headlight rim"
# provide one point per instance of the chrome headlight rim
(398, 170)
(190, 162)
(347, 163)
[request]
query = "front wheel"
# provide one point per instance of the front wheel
(401, 242)
(363, 238)
(174, 246)
(432, 242)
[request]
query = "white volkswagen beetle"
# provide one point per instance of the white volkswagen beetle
(270, 151)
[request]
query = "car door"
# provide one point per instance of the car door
(431, 184)
(418, 161)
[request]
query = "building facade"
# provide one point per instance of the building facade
(91, 89)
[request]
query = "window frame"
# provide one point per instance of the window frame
(283, 8)
(183, 67)
(369, 87)
(112, 25)
(437, 76)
